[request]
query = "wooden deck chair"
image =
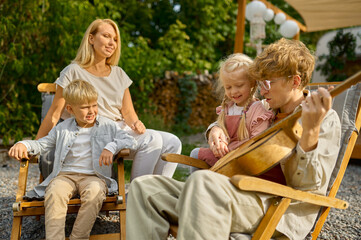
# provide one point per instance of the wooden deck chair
(347, 105)
(22, 207)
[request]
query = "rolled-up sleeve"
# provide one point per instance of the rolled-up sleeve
(311, 170)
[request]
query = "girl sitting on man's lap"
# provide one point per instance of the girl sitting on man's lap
(240, 115)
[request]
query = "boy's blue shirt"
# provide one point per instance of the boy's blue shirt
(105, 134)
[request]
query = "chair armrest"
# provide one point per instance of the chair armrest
(34, 159)
(122, 153)
(248, 183)
(178, 158)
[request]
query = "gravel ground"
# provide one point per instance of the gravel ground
(340, 224)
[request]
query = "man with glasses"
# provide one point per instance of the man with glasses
(207, 205)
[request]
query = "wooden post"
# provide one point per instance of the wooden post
(241, 17)
(297, 36)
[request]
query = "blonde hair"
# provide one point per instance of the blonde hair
(284, 58)
(85, 54)
(233, 63)
(79, 92)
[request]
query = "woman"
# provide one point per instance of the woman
(96, 62)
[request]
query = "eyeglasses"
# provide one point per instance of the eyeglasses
(266, 84)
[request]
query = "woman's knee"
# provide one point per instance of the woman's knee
(150, 139)
(171, 142)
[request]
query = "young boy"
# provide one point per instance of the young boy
(84, 148)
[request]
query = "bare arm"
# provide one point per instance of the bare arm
(129, 114)
(54, 113)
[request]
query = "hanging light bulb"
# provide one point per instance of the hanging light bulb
(255, 8)
(280, 18)
(289, 29)
(268, 15)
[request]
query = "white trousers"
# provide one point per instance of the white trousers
(147, 157)
(206, 206)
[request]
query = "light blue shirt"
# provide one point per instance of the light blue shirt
(106, 134)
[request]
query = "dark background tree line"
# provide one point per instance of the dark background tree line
(39, 38)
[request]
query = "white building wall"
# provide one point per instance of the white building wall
(322, 49)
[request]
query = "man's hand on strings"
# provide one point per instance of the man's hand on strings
(314, 109)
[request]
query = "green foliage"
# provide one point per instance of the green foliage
(342, 49)
(187, 94)
(39, 38)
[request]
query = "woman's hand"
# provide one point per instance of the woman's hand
(138, 127)
(217, 141)
(18, 151)
(106, 157)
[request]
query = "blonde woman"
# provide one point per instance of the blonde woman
(240, 116)
(97, 63)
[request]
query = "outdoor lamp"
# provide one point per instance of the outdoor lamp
(289, 29)
(280, 18)
(255, 11)
(268, 15)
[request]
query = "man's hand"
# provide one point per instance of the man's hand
(314, 109)
(218, 142)
(106, 157)
(18, 151)
(138, 127)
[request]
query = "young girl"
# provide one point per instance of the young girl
(240, 116)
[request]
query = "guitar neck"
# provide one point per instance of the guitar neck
(354, 79)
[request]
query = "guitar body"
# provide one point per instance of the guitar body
(262, 155)
(264, 151)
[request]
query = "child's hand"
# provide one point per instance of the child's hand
(138, 127)
(106, 157)
(18, 151)
(220, 149)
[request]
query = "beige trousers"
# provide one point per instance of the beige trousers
(61, 189)
(206, 206)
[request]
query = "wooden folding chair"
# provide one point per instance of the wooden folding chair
(348, 106)
(22, 207)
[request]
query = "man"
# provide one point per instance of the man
(208, 206)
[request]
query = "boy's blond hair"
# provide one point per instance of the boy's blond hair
(282, 59)
(79, 92)
(85, 54)
(233, 63)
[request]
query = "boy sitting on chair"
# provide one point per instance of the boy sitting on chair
(84, 148)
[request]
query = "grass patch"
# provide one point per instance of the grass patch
(187, 148)
(181, 174)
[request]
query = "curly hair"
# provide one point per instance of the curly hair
(284, 58)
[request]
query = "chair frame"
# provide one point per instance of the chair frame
(284, 194)
(23, 208)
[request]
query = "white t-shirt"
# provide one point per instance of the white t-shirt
(235, 110)
(110, 88)
(79, 157)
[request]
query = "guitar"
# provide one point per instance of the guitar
(264, 151)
